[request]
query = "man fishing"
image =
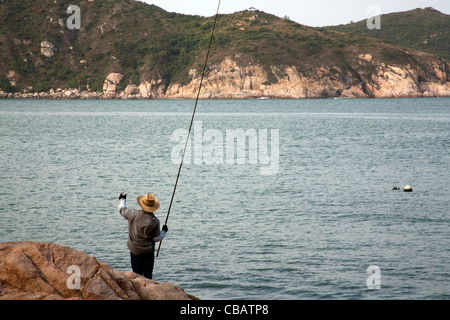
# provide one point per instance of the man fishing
(143, 232)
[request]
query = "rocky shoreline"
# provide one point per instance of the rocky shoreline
(65, 94)
(430, 90)
(60, 94)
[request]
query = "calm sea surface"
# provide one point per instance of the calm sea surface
(309, 231)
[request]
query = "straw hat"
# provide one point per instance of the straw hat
(148, 203)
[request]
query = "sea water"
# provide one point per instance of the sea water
(325, 224)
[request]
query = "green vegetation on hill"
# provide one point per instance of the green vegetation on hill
(144, 42)
(426, 30)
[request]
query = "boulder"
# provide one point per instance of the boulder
(47, 48)
(12, 76)
(111, 83)
(153, 89)
(132, 89)
(46, 271)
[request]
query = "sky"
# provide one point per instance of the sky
(314, 13)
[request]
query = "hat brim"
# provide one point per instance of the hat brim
(147, 208)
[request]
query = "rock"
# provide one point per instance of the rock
(47, 48)
(40, 271)
(71, 93)
(111, 83)
(354, 92)
(430, 89)
(132, 89)
(228, 79)
(145, 89)
(395, 82)
(114, 78)
(367, 57)
(61, 23)
(151, 90)
(12, 77)
(224, 81)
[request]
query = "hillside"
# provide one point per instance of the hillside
(426, 30)
(129, 48)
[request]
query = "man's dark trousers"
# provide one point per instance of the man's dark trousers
(143, 264)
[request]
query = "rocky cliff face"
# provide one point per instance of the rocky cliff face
(45, 271)
(229, 80)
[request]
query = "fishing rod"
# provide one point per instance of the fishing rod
(192, 120)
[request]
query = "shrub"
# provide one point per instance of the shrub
(6, 86)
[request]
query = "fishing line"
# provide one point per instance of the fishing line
(192, 119)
